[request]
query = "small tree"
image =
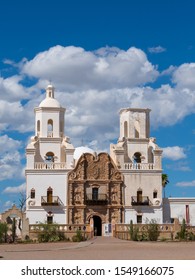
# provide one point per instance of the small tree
(165, 181)
(3, 232)
(182, 234)
(153, 230)
(133, 231)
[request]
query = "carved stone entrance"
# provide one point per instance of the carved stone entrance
(97, 226)
(95, 190)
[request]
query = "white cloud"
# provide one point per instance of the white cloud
(18, 189)
(8, 204)
(8, 144)
(94, 86)
(157, 49)
(179, 166)
(73, 68)
(11, 90)
(186, 184)
(184, 75)
(10, 157)
(174, 153)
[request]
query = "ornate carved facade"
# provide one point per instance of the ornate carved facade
(95, 188)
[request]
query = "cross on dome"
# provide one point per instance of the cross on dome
(50, 91)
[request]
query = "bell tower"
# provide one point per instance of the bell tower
(49, 116)
(49, 157)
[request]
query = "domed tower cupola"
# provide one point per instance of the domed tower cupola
(49, 116)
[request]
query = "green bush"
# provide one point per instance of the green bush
(50, 233)
(3, 232)
(134, 232)
(153, 230)
(182, 234)
(78, 237)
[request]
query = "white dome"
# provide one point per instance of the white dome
(50, 102)
(81, 150)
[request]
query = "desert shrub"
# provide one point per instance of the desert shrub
(182, 234)
(134, 232)
(152, 230)
(78, 237)
(3, 232)
(50, 233)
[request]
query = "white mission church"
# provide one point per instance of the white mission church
(65, 185)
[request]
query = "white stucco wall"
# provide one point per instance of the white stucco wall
(176, 208)
(40, 182)
(147, 213)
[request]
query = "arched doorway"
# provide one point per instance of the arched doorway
(97, 226)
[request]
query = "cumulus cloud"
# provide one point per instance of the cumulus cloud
(11, 90)
(10, 157)
(174, 153)
(186, 184)
(94, 86)
(157, 49)
(73, 68)
(184, 75)
(19, 189)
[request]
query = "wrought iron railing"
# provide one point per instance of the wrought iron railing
(51, 201)
(142, 200)
(97, 199)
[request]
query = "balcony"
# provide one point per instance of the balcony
(143, 200)
(51, 201)
(100, 199)
(49, 165)
(139, 166)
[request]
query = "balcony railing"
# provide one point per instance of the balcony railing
(137, 166)
(143, 200)
(100, 199)
(51, 201)
(49, 165)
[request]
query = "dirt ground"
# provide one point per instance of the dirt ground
(100, 248)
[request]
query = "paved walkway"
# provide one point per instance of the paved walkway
(100, 248)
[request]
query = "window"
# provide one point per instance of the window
(139, 196)
(50, 128)
(137, 157)
(38, 127)
(125, 129)
(155, 194)
(49, 195)
(137, 129)
(95, 194)
(187, 214)
(32, 193)
(49, 157)
(139, 219)
(50, 219)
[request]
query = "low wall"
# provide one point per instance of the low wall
(167, 231)
(68, 230)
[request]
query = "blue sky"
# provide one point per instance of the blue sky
(100, 56)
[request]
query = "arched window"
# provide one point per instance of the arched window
(137, 129)
(49, 157)
(49, 195)
(125, 129)
(32, 193)
(139, 196)
(38, 127)
(137, 157)
(50, 128)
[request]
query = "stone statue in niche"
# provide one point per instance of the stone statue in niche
(115, 216)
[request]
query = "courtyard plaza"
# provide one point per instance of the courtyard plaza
(100, 248)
